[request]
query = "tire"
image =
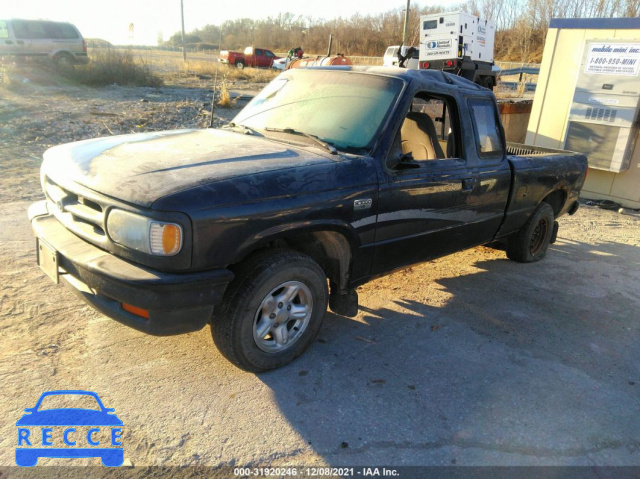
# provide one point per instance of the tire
(255, 328)
(487, 82)
(531, 242)
(63, 61)
(240, 65)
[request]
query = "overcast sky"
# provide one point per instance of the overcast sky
(110, 19)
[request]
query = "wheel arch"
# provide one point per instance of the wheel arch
(62, 53)
(332, 246)
(556, 199)
(63, 57)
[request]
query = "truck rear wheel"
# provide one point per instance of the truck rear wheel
(531, 242)
(486, 82)
(63, 61)
(272, 311)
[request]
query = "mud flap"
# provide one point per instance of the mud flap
(344, 304)
(554, 234)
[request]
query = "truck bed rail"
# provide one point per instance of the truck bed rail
(528, 150)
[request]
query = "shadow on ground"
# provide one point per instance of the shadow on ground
(525, 365)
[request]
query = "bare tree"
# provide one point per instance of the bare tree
(521, 27)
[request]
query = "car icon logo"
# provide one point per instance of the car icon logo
(84, 431)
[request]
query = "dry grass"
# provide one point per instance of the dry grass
(5, 75)
(109, 66)
(18, 76)
(253, 75)
(224, 98)
(520, 90)
(512, 94)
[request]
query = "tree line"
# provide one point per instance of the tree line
(521, 27)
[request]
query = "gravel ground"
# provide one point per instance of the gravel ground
(469, 360)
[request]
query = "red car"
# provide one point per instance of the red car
(252, 57)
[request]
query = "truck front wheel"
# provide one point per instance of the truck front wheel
(239, 65)
(272, 311)
(531, 242)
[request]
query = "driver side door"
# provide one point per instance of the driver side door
(425, 207)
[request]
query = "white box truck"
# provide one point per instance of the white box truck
(459, 43)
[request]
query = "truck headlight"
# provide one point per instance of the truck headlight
(144, 234)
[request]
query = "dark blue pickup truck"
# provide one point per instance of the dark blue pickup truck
(329, 178)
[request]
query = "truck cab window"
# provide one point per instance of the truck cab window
(427, 133)
(486, 129)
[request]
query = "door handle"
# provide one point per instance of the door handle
(468, 184)
(20, 42)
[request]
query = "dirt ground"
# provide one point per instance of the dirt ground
(469, 360)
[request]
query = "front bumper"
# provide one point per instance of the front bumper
(177, 303)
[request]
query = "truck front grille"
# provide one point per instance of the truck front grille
(82, 215)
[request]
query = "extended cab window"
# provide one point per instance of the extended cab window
(486, 128)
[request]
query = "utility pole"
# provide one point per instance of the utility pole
(184, 48)
(406, 24)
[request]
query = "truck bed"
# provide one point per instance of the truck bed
(537, 172)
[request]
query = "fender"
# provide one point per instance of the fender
(338, 240)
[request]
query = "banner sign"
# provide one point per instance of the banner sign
(613, 59)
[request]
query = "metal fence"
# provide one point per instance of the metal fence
(510, 65)
(520, 76)
(356, 59)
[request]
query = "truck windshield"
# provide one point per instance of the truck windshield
(344, 109)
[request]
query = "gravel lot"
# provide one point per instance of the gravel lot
(468, 360)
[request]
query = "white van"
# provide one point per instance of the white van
(58, 42)
(391, 57)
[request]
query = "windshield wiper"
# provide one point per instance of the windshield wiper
(320, 142)
(244, 129)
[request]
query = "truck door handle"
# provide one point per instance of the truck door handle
(20, 42)
(468, 184)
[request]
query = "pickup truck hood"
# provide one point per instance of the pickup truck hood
(141, 168)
